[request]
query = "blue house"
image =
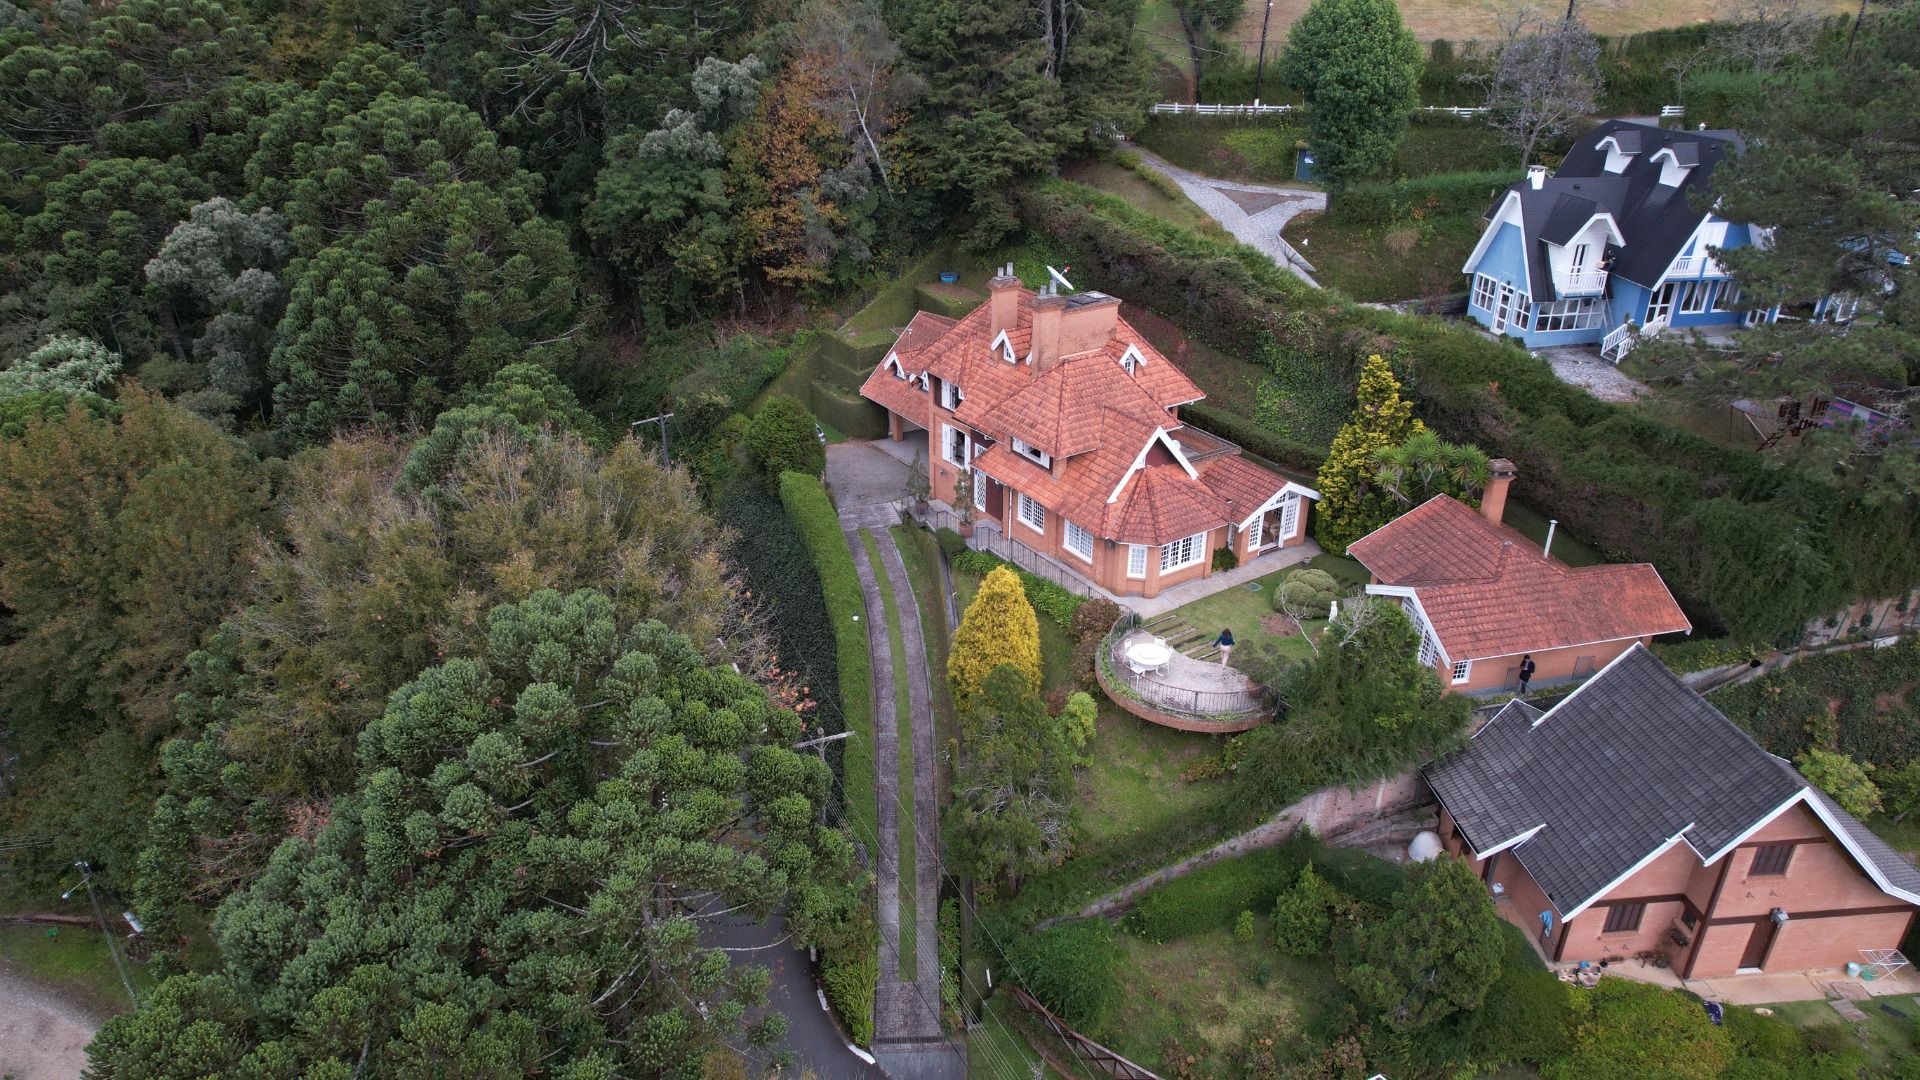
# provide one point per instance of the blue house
(1611, 243)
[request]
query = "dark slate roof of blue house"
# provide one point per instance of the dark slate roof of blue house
(1655, 219)
(1630, 761)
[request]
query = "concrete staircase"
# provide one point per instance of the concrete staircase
(1183, 637)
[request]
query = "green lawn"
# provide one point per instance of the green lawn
(73, 960)
(1164, 201)
(1379, 263)
(1133, 788)
(1887, 1039)
(903, 711)
(1191, 1004)
(1242, 610)
(921, 554)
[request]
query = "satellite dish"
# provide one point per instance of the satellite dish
(1060, 279)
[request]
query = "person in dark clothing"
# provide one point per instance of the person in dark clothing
(1225, 642)
(1526, 671)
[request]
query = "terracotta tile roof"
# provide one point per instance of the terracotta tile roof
(925, 328)
(1087, 411)
(897, 394)
(1488, 591)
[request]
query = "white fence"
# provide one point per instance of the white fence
(1672, 112)
(1175, 108)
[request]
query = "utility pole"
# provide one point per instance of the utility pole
(666, 453)
(113, 950)
(1261, 67)
(1855, 32)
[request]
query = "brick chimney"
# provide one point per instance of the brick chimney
(1493, 501)
(1003, 298)
(1049, 311)
(1088, 323)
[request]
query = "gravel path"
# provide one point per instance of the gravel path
(1253, 213)
(42, 1036)
(1581, 366)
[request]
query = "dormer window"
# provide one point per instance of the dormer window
(950, 395)
(1033, 453)
(1618, 156)
(1672, 172)
(1004, 346)
(1131, 359)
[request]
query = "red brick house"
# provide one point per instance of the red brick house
(1068, 423)
(1483, 596)
(1632, 816)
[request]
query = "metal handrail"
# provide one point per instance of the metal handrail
(1198, 704)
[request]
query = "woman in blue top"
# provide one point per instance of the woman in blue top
(1225, 642)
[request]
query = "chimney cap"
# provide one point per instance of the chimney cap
(1004, 278)
(1502, 468)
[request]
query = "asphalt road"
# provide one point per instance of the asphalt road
(811, 1035)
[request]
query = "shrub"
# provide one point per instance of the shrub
(951, 543)
(950, 955)
(1431, 956)
(1303, 915)
(1872, 693)
(1224, 559)
(1049, 599)
(781, 439)
(1306, 589)
(1243, 928)
(1212, 897)
(1069, 967)
(1254, 438)
(1381, 419)
(998, 628)
(1699, 654)
(849, 977)
(1524, 1018)
(1847, 781)
(1623, 1028)
(1093, 619)
(1077, 718)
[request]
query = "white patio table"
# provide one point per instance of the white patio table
(1145, 656)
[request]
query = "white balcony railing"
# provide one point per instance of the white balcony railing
(1689, 265)
(1580, 282)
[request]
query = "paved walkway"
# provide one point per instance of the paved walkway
(1253, 213)
(42, 1035)
(1581, 366)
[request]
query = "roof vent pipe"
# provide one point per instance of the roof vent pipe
(1536, 176)
(1546, 552)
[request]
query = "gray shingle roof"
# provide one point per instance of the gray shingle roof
(1629, 761)
(1655, 219)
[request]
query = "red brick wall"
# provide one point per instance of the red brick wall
(1490, 673)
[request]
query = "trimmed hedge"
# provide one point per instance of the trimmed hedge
(1751, 550)
(1047, 598)
(1441, 193)
(781, 575)
(813, 517)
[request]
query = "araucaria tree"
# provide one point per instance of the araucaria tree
(518, 879)
(998, 628)
(1013, 783)
(1545, 79)
(1359, 70)
(1349, 500)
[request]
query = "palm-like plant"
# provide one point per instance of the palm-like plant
(1426, 465)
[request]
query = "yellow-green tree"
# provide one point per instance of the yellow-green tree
(998, 628)
(1349, 504)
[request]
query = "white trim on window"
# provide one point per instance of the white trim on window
(1462, 671)
(1553, 316)
(1696, 296)
(1032, 514)
(956, 447)
(1079, 541)
(979, 489)
(1033, 453)
(1289, 519)
(1483, 292)
(950, 395)
(1183, 552)
(1132, 359)
(1136, 560)
(1004, 346)
(1254, 532)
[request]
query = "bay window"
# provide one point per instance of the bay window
(1183, 552)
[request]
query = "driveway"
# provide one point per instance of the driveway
(860, 474)
(42, 1036)
(1253, 213)
(815, 1042)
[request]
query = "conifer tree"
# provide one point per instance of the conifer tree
(998, 628)
(1359, 69)
(1381, 419)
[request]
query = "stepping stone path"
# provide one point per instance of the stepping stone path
(1183, 637)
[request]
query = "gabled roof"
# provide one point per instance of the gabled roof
(1488, 591)
(1628, 766)
(1655, 219)
(1116, 471)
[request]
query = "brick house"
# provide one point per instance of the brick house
(1632, 816)
(1067, 422)
(1483, 596)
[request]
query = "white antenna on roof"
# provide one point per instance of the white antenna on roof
(1060, 279)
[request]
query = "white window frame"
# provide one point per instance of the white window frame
(979, 489)
(1132, 358)
(947, 432)
(1136, 560)
(1483, 292)
(1429, 644)
(1255, 531)
(1726, 297)
(1079, 541)
(1695, 297)
(1030, 510)
(1555, 316)
(1660, 303)
(1462, 671)
(950, 395)
(1578, 260)
(1289, 518)
(1182, 553)
(1033, 453)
